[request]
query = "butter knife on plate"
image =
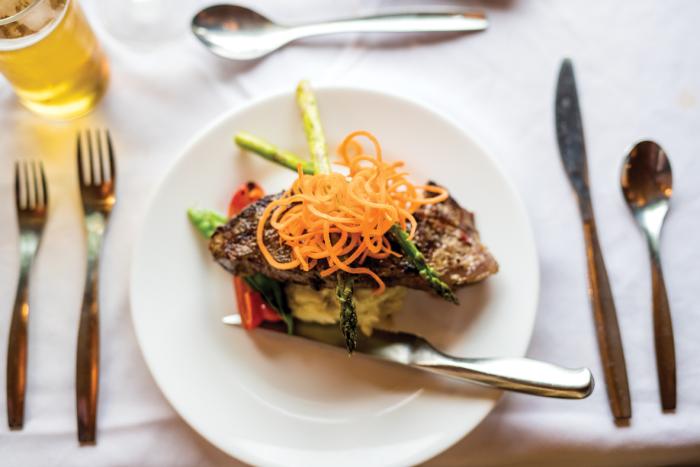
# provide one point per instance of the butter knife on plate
(512, 374)
(573, 155)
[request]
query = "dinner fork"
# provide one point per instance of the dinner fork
(32, 201)
(97, 190)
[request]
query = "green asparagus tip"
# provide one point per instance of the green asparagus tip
(206, 221)
(451, 297)
(348, 313)
(306, 100)
(272, 153)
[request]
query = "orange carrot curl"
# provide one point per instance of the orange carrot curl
(335, 221)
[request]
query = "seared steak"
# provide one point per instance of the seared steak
(445, 234)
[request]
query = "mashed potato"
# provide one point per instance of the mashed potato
(321, 306)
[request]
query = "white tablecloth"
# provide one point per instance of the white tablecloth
(638, 67)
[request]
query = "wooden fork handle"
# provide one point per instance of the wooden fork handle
(17, 356)
(88, 359)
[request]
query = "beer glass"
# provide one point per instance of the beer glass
(51, 57)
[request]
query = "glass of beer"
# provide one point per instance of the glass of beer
(51, 57)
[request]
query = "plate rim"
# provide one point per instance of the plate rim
(247, 456)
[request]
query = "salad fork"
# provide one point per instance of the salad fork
(97, 190)
(32, 201)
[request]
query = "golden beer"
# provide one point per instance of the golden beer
(51, 57)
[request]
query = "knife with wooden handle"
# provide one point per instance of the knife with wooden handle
(573, 154)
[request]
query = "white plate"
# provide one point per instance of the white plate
(275, 400)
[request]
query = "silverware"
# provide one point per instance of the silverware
(239, 33)
(647, 184)
(32, 201)
(97, 182)
(511, 374)
(573, 154)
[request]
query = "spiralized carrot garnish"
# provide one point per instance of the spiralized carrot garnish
(335, 221)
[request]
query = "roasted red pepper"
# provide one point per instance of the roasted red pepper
(248, 193)
(251, 306)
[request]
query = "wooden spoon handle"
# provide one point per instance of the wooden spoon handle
(663, 338)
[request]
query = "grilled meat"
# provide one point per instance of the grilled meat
(445, 234)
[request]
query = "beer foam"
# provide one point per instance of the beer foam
(40, 15)
(12, 7)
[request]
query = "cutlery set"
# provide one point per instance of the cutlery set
(97, 176)
(646, 185)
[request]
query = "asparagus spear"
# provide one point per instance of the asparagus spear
(398, 234)
(418, 260)
(313, 128)
(206, 221)
(272, 153)
(322, 165)
(348, 314)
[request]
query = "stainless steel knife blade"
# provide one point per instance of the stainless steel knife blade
(569, 131)
(570, 136)
(389, 345)
(512, 374)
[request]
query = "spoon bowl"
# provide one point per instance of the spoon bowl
(231, 18)
(239, 33)
(236, 32)
(646, 176)
(647, 184)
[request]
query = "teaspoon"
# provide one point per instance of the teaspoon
(647, 186)
(239, 33)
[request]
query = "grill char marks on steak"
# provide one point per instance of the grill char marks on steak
(446, 235)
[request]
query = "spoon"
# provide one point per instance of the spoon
(647, 187)
(239, 33)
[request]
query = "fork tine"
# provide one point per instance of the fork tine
(31, 186)
(25, 186)
(101, 143)
(110, 155)
(44, 188)
(35, 181)
(92, 169)
(18, 191)
(79, 151)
